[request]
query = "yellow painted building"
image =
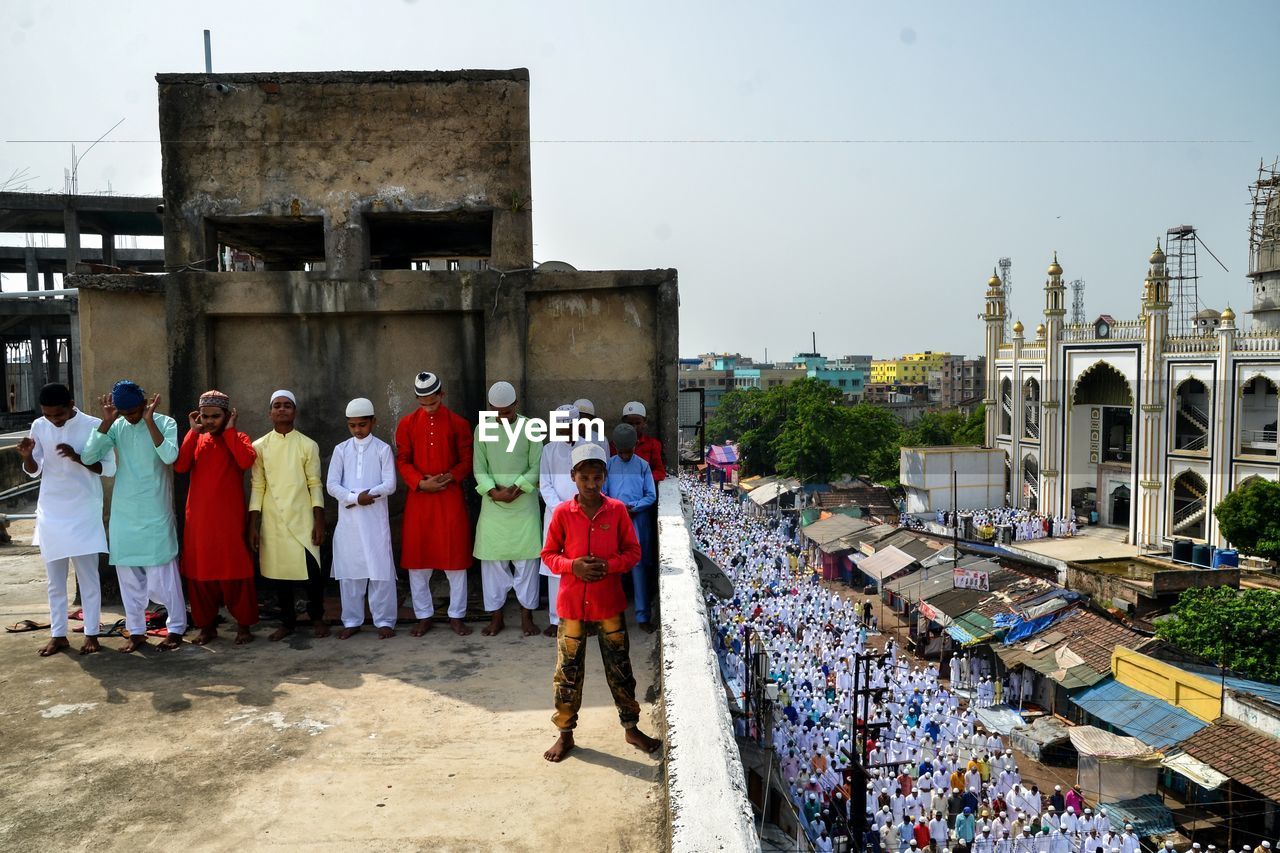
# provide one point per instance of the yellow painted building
(1199, 696)
(911, 369)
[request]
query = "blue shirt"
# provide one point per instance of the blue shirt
(630, 482)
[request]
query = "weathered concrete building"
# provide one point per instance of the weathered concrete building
(390, 216)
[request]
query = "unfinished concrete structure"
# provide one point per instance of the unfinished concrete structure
(39, 330)
(390, 218)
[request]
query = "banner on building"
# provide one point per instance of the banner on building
(971, 579)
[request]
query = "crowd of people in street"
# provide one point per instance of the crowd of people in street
(938, 779)
(1024, 524)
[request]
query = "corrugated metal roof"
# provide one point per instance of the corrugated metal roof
(1147, 814)
(885, 563)
(830, 530)
(1152, 721)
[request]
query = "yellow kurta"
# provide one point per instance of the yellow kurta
(285, 488)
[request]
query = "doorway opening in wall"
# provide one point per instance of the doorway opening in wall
(251, 243)
(445, 240)
(1189, 511)
(1120, 499)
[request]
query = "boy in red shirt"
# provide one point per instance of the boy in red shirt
(590, 543)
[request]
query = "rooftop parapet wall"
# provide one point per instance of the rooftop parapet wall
(334, 149)
(706, 789)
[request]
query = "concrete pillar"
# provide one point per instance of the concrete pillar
(48, 279)
(37, 380)
(108, 248)
(33, 269)
(71, 231)
(4, 377)
(74, 369)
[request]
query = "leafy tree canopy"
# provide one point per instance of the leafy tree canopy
(1240, 629)
(1250, 518)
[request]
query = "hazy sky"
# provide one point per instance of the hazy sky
(853, 169)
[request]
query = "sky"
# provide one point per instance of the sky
(848, 169)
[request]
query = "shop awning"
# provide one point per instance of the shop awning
(1148, 815)
(1194, 769)
(885, 563)
(1152, 721)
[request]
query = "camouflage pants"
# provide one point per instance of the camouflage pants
(615, 651)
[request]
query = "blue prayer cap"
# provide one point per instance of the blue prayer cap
(126, 394)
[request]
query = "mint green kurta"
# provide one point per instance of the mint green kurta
(141, 531)
(508, 531)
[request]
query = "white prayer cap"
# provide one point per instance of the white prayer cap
(288, 395)
(585, 407)
(1057, 787)
(571, 409)
(360, 407)
(587, 451)
(426, 383)
(501, 394)
(634, 408)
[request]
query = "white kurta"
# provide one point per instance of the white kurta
(69, 509)
(555, 483)
(362, 540)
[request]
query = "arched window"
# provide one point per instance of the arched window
(1006, 407)
(1106, 388)
(1030, 482)
(1031, 409)
(1258, 415)
(1189, 511)
(1191, 417)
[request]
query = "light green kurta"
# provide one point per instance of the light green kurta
(508, 531)
(141, 531)
(285, 487)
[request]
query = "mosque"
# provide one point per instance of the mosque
(1148, 428)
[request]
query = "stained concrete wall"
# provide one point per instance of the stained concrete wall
(339, 146)
(608, 336)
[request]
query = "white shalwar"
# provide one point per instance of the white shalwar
(362, 558)
(161, 584)
(556, 486)
(502, 576)
(69, 529)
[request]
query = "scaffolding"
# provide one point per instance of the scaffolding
(1006, 280)
(1261, 191)
(1184, 280)
(1077, 301)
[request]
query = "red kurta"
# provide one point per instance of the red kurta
(611, 536)
(213, 541)
(437, 531)
(649, 449)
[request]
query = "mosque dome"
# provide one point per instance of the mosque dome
(1040, 330)
(1054, 268)
(994, 281)
(1017, 327)
(1157, 257)
(1228, 316)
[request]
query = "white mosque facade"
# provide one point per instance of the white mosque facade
(1148, 430)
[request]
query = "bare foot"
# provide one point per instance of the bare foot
(551, 631)
(561, 748)
(54, 646)
(205, 635)
(135, 642)
(321, 628)
(91, 646)
(279, 634)
(386, 632)
(459, 627)
(244, 635)
(347, 633)
(495, 626)
(171, 642)
(423, 626)
(642, 741)
(527, 625)
(647, 627)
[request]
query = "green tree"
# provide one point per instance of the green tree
(951, 427)
(1237, 628)
(1250, 518)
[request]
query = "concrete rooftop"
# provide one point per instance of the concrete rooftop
(402, 744)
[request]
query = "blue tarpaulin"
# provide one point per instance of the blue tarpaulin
(1147, 813)
(1030, 627)
(1005, 620)
(960, 635)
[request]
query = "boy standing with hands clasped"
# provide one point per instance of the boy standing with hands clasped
(362, 474)
(590, 543)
